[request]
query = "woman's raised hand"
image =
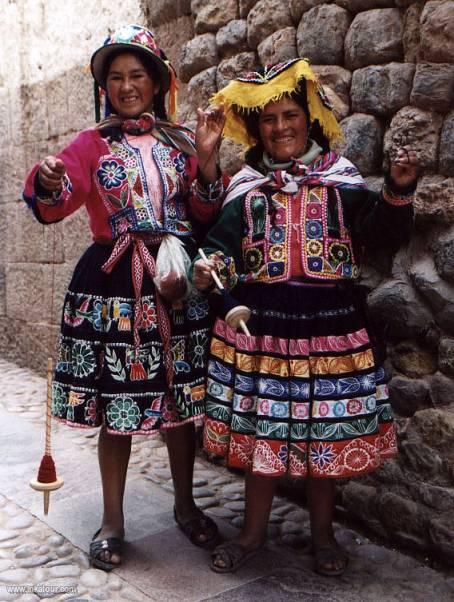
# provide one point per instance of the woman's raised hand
(405, 167)
(210, 123)
(51, 172)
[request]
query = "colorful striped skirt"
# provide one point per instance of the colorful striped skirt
(102, 376)
(303, 394)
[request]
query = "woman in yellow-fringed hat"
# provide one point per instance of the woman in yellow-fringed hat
(305, 395)
(133, 345)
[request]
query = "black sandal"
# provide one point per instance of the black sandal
(113, 545)
(200, 525)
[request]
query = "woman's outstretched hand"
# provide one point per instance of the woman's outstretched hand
(210, 124)
(51, 172)
(404, 168)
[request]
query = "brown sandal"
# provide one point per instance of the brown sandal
(233, 555)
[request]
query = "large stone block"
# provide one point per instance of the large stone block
(447, 146)
(433, 87)
(81, 104)
(337, 78)
(163, 11)
(441, 533)
(232, 156)
(298, 7)
(357, 6)
(363, 142)
(266, 17)
(28, 241)
(35, 125)
(244, 6)
(382, 89)
(75, 234)
(395, 304)
(437, 292)
(5, 126)
(199, 91)
(328, 23)
(413, 361)
(172, 37)
(280, 46)
(28, 292)
(210, 15)
(441, 391)
(446, 355)
(12, 171)
(433, 202)
(198, 54)
(57, 106)
(437, 31)
(230, 68)
(412, 33)
(408, 395)
(232, 38)
(444, 255)
(419, 129)
(374, 37)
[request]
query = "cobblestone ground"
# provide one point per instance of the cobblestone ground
(30, 552)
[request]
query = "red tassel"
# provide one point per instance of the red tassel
(138, 371)
(46, 472)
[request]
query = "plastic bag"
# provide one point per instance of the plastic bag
(172, 265)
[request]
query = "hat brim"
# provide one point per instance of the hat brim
(100, 56)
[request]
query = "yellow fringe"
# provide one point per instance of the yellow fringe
(242, 97)
(173, 93)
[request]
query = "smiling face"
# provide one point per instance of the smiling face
(130, 88)
(283, 129)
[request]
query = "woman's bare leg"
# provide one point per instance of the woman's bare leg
(113, 457)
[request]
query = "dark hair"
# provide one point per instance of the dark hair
(159, 106)
(251, 120)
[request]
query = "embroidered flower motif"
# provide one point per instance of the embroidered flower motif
(339, 252)
(314, 210)
(354, 406)
(197, 308)
(264, 407)
(123, 413)
(91, 412)
(277, 252)
(314, 247)
(300, 410)
(314, 229)
(111, 174)
(323, 409)
(253, 258)
(279, 409)
(197, 349)
(315, 264)
(179, 163)
(99, 314)
(277, 235)
(371, 403)
(356, 459)
(215, 389)
(58, 400)
(322, 454)
(149, 317)
(339, 409)
(82, 359)
(246, 404)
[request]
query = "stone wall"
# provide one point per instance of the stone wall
(388, 68)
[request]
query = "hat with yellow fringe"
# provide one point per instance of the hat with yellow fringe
(254, 90)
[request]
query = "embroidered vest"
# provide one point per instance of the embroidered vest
(121, 181)
(325, 242)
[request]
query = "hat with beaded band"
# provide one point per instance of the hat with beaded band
(136, 38)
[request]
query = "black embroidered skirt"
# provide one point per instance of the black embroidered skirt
(96, 376)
